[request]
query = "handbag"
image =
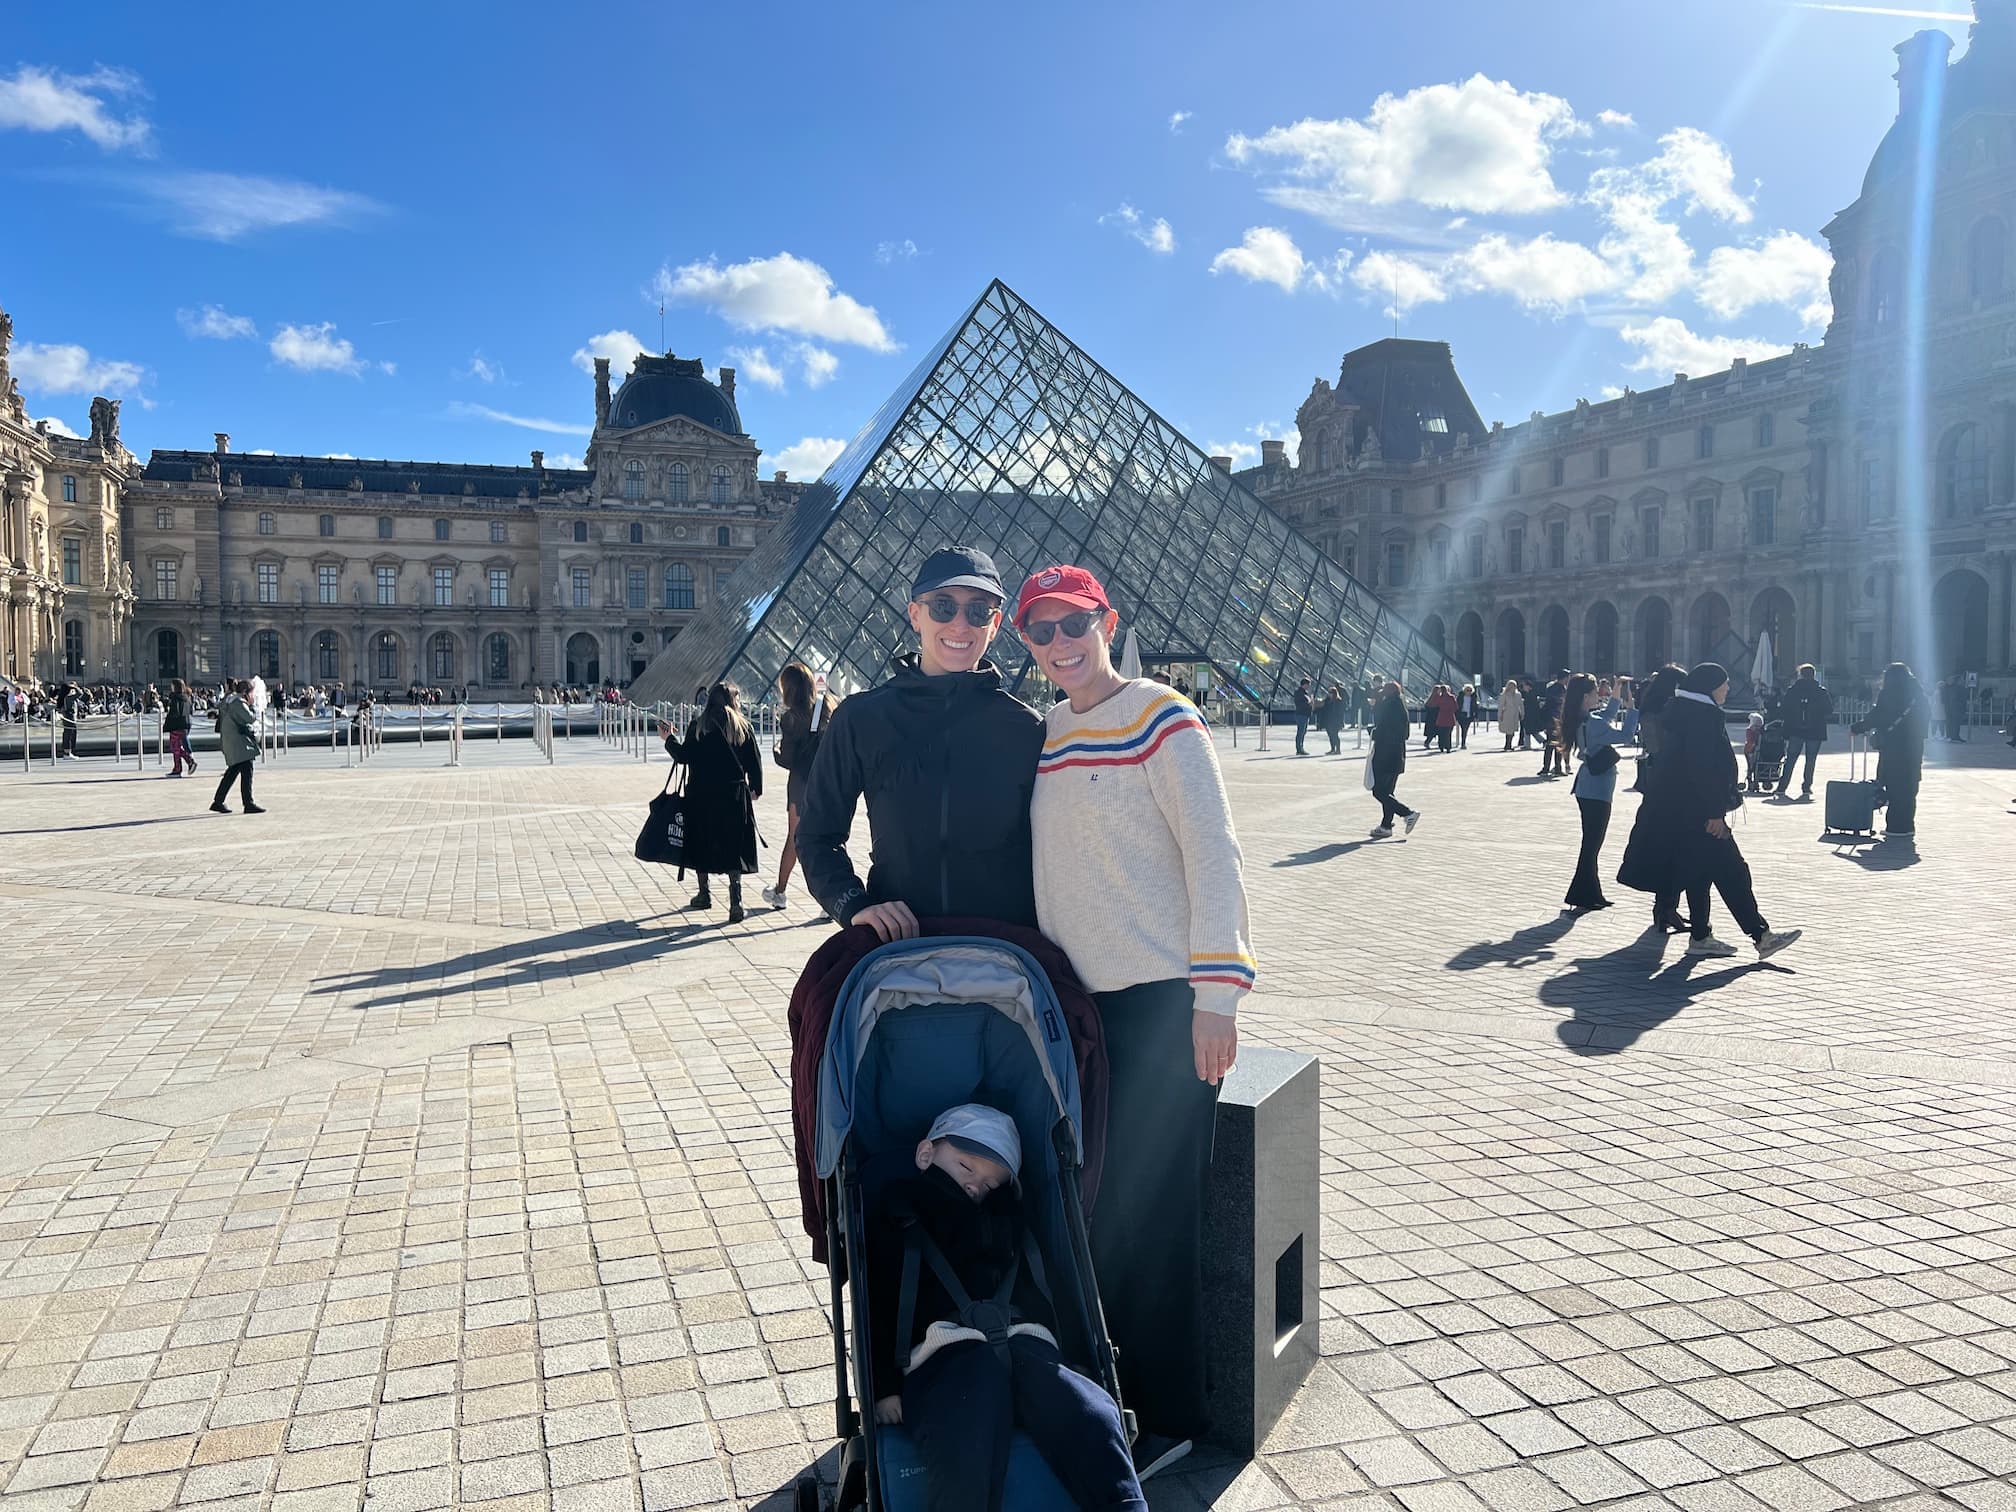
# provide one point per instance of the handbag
(1601, 760)
(662, 840)
(1368, 774)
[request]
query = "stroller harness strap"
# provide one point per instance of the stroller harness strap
(992, 1319)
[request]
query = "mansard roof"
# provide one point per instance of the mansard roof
(380, 476)
(660, 387)
(1408, 393)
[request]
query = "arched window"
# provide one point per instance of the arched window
(266, 654)
(325, 656)
(678, 586)
(636, 533)
(676, 483)
(633, 479)
(719, 492)
(722, 536)
(1987, 262)
(1963, 474)
(441, 657)
(580, 531)
(385, 658)
(73, 648)
(1883, 290)
(267, 524)
(497, 659)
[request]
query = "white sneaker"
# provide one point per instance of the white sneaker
(1708, 945)
(774, 896)
(1382, 832)
(1774, 940)
(1411, 820)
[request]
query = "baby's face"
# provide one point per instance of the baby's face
(977, 1175)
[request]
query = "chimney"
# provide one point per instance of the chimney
(728, 383)
(223, 441)
(1917, 59)
(780, 476)
(601, 391)
(1223, 464)
(1273, 453)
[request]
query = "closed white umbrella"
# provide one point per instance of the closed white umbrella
(1130, 654)
(1764, 669)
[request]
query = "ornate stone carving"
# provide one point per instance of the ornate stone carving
(105, 423)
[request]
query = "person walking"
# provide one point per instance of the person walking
(1896, 726)
(1681, 842)
(1535, 726)
(1137, 870)
(70, 705)
(1330, 717)
(1305, 710)
(1553, 755)
(800, 723)
(724, 768)
(1390, 727)
(1428, 711)
(946, 758)
(1594, 788)
(175, 717)
(1956, 707)
(1466, 713)
(1445, 719)
(238, 743)
(1511, 711)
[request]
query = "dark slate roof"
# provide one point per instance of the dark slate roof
(1398, 387)
(661, 387)
(380, 476)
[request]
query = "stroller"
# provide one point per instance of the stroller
(922, 1025)
(1770, 760)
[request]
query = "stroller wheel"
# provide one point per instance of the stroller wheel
(808, 1497)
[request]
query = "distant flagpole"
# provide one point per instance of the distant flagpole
(661, 325)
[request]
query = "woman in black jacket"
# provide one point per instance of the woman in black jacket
(724, 769)
(1897, 726)
(1390, 727)
(800, 723)
(175, 717)
(1681, 841)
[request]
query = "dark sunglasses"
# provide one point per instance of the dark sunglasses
(1074, 625)
(945, 609)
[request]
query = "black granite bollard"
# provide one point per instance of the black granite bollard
(1261, 1245)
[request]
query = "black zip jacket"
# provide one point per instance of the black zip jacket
(948, 765)
(1806, 708)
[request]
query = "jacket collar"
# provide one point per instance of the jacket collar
(911, 677)
(1697, 697)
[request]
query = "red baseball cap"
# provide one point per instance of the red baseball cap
(1070, 585)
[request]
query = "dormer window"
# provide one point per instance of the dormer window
(676, 486)
(633, 480)
(719, 491)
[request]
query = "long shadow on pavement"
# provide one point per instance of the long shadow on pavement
(1328, 852)
(73, 829)
(554, 956)
(1529, 947)
(1612, 996)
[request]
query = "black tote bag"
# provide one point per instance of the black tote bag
(662, 840)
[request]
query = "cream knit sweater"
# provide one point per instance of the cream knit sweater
(1137, 867)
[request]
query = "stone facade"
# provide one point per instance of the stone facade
(66, 589)
(381, 574)
(1857, 498)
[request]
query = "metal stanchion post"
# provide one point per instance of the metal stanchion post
(420, 711)
(500, 723)
(139, 742)
(53, 719)
(118, 736)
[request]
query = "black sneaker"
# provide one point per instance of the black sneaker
(1156, 1452)
(218, 808)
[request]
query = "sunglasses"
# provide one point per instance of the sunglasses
(945, 609)
(1074, 625)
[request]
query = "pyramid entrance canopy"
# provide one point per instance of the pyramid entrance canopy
(1010, 438)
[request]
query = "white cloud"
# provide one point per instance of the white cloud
(65, 368)
(226, 206)
(781, 293)
(215, 323)
(1541, 274)
(1403, 282)
(1155, 235)
(1611, 391)
(338, 456)
(1267, 254)
(41, 99)
(388, 368)
(1692, 169)
(562, 459)
(1786, 269)
(1242, 453)
(895, 251)
(483, 370)
(314, 349)
(1177, 118)
(1479, 146)
(808, 457)
(463, 410)
(754, 364)
(817, 364)
(1615, 118)
(1666, 345)
(620, 347)
(59, 428)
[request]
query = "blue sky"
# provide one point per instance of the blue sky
(402, 230)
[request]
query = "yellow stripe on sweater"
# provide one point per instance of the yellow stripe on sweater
(1127, 729)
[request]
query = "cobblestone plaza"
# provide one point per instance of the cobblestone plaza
(406, 1148)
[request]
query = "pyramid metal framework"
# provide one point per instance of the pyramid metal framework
(1008, 437)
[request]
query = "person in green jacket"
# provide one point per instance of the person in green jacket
(238, 738)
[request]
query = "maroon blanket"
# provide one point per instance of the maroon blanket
(818, 990)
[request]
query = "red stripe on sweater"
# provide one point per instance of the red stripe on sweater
(1114, 761)
(1227, 981)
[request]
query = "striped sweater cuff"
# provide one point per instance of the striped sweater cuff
(1219, 981)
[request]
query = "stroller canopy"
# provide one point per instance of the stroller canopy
(989, 975)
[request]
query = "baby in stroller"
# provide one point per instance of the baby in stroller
(1769, 762)
(963, 1351)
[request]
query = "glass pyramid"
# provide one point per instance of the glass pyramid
(1008, 437)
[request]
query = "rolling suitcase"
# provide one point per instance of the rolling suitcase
(1852, 805)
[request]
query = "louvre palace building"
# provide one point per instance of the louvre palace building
(213, 563)
(1796, 495)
